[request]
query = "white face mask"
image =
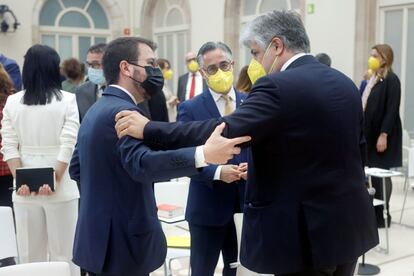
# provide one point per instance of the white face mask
(96, 76)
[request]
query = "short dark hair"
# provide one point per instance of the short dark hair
(97, 48)
(123, 48)
(324, 59)
(41, 75)
(162, 63)
(211, 46)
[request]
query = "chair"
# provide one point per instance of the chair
(8, 244)
(37, 269)
(174, 192)
(241, 270)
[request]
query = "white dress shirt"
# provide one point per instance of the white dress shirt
(291, 60)
(221, 106)
(198, 84)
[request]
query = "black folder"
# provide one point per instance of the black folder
(35, 178)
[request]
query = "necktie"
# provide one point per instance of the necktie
(192, 87)
(228, 108)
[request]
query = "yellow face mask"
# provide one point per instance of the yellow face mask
(221, 82)
(168, 74)
(256, 70)
(192, 66)
(373, 64)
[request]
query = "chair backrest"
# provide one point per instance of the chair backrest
(37, 269)
(172, 192)
(8, 245)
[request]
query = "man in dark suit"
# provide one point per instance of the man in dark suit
(118, 232)
(217, 192)
(192, 83)
(12, 68)
(307, 210)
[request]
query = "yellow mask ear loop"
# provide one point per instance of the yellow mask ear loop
(274, 62)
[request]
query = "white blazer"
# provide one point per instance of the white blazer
(40, 135)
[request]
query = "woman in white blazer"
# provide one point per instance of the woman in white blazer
(39, 129)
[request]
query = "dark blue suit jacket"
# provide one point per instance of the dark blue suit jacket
(306, 202)
(211, 202)
(13, 70)
(118, 231)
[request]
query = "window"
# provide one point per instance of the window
(397, 30)
(72, 26)
(171, 33)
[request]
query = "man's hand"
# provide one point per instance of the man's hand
(130, 123)
(243, 170)
(218, 149)
(229, 173)
(382, 142)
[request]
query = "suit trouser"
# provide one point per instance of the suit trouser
(46, 228)
(206, 244)
(338, 270)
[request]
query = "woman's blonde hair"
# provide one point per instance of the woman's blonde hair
(387, 55)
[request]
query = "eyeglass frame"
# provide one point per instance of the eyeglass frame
(213, 68)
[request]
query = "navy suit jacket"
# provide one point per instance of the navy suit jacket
(118, 231)
(13, 70)
(306, 202)
(211, 202)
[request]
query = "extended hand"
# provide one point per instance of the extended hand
(130, 123)
(218, 149)
(229, 173)
(45, 190)
(243, 168)
(24, 190)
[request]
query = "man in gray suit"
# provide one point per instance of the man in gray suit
(89, 92)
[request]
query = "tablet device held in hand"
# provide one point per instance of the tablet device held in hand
(35, 178)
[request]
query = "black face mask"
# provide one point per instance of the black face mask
(154, 82)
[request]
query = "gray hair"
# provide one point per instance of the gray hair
(211, 46)
(286, 25)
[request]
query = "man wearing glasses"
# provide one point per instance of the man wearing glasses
(217, 192)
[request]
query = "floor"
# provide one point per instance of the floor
(398, 262)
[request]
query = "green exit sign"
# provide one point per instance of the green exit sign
(311, 8)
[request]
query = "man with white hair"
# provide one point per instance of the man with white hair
(307, 211)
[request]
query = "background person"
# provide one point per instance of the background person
(39, 129)
(383, 131)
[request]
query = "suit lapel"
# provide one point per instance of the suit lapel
(238, 98)
(210, 104)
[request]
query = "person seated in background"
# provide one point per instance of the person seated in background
(324, 59)
(244, 84)
(172, 100)
(72, 70)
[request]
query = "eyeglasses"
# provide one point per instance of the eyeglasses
(150, 62)
(213, 68)
(94, 65)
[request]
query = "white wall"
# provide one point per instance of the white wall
(207, 20)
(15, 45)
(331, 29)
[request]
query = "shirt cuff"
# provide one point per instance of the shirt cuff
(199, 157)
(217, 173)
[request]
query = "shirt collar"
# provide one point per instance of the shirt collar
(291, 60)
(126, 91)
(217, 96)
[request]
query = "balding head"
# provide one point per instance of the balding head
(190, 56)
